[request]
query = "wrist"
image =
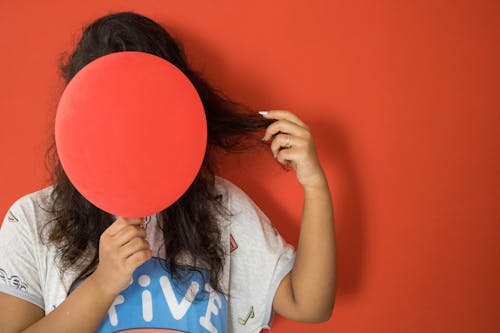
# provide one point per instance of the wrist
(319, 183)
(101, 287)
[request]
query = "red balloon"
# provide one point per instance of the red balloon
(131, 133)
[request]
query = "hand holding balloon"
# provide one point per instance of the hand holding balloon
(122, 248)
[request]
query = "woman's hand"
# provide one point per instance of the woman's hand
(293, 143)
(122, 248)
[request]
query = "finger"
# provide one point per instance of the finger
(138, 258)
(134, 245)
(284, 126)
(290, 154)
(121, 223)
(281, 141)
(134, 220)
(285, 141)
(284, 114)
(128, 233)
(114, 228)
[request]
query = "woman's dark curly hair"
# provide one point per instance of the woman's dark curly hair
(190, 224)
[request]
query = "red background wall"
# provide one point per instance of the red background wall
(403, 101)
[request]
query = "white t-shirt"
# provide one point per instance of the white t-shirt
(257, 259)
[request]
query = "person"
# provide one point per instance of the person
(211, 262)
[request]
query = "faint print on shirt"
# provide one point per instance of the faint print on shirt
(251, 314)
(11, 217)
(13, 281)
(232, 244)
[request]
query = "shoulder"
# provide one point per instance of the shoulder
(247, 218)
(30, 209)
(26, 262)
(226, 187)
(235, 198)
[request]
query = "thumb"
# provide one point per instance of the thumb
(134, 220)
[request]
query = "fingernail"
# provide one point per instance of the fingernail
(263, 112)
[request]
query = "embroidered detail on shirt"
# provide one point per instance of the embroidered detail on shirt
(11, 217)
(233, 245)
(250, 314)
(13, 281)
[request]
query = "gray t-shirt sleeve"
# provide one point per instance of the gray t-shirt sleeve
(260, 259)
(18, 269)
